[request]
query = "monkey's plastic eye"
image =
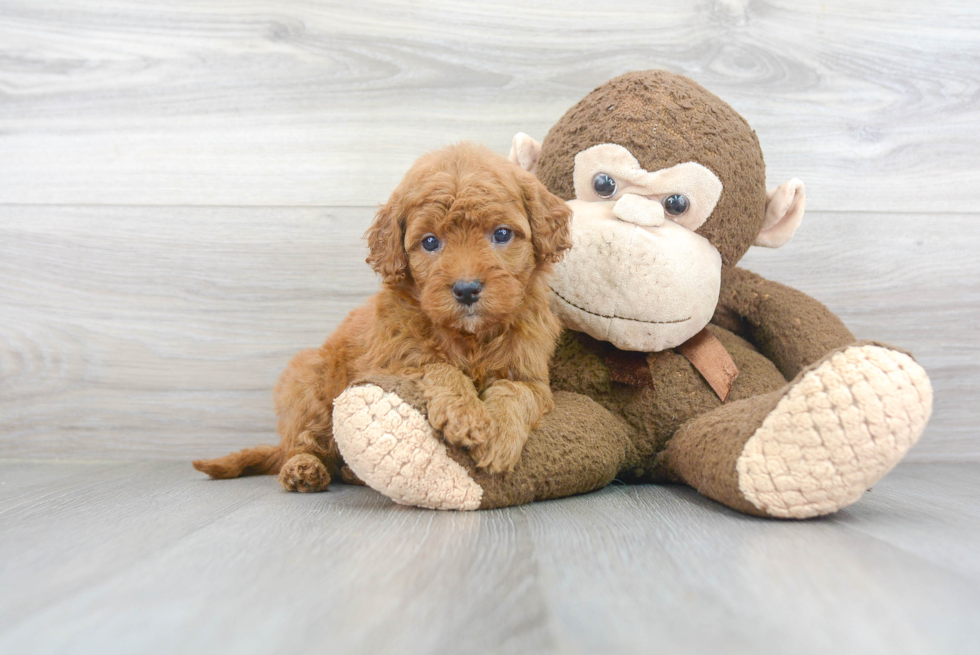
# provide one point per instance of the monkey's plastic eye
(676, 204)
(604, 186)
(502, 235)
(430, 243)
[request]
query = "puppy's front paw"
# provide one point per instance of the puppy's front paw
(305, 473)
(502, 450)
(464, 422)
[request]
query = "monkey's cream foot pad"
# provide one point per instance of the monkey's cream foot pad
(838, 430)
(412, 468)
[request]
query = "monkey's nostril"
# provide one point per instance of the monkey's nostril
(467, 291)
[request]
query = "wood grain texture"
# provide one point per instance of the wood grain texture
(153, 558)
(875, 105)
(134, 330)
(159, 332)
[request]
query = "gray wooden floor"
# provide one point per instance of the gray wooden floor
(148, 557)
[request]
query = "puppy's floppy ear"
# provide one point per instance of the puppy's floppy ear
(550, 218)
(386, 238)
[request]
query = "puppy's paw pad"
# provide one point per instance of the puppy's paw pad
(304, 473)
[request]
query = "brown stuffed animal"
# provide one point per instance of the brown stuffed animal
(675, 366)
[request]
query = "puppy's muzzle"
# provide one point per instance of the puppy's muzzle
(467, 292)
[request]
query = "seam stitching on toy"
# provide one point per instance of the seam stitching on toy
(621, 318)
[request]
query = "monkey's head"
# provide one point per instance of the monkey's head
(667, 184)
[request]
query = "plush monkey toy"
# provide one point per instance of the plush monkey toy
(676, 366)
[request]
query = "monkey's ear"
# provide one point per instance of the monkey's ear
(386, 246)
(784, 211)
(525, 152)
(549, 216)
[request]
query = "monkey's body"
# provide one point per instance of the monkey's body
(581, 366)
(812, 419)
(678, 400)
(677, 429)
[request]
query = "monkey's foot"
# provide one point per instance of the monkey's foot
(388, 443)
(836, 431)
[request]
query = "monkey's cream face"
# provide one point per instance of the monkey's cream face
(637, 275)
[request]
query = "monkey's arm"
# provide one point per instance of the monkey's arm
(787, 326)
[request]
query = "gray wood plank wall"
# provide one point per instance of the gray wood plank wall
(183, 185)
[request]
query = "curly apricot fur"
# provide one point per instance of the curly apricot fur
(484, 367)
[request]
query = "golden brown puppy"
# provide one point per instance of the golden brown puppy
(464, 247)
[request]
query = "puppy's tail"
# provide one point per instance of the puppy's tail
(251, 461)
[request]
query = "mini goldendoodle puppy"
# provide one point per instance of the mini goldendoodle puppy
(464, 246)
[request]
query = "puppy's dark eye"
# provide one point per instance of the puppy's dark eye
(502, 235)
(604, 186)
(430, 243)
(676, 204)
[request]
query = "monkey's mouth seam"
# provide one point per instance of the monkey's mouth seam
(618, 318)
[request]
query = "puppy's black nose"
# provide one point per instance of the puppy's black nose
(467, 291)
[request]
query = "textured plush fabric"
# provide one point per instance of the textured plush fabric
(664, 120)
(841, 426)
(813, 447)
(712, 360)
(774, 448)
(704, 450)
(678, 394)
(635, 184)
(807, 448)
(787, 326)
(578, 447)
(785, 205)
(382, 430)
(655, 289)
(388, 443)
